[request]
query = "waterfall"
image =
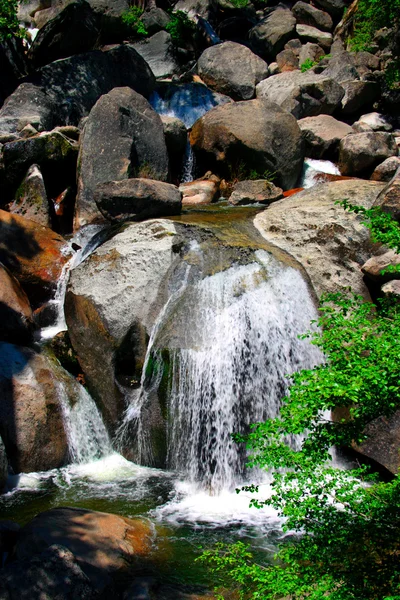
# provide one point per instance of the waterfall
(312, 168)
(86, 433)
(232, 338)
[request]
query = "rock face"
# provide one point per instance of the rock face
(31, 198)
(34, 254)
(269, 36)
(123, 137)
(248, 192)
(16, 320)
(256, 134)
(330, 243)
(64, 91)
(232, 69)
(322, 135)
(100, 542)
(112, 301)
(302, 94)
(137, 199)
(158, 52)
(360, 153)
(31, 423)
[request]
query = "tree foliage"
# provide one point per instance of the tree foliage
(131, 17)
(345, 524)
(9, 24)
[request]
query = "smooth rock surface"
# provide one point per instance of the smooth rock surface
(322, 135)
(310, 34)
(360, 153)
(232, 69)
(158, 52)
(387, 169)
(201, 191)
(329, 242)
(123, 137)
(256, 134)
(258, 190)
(374, 121)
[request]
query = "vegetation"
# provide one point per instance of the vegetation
(131, 17)
(180, 28)
(9, 24)
(345, 524)
(309, 64)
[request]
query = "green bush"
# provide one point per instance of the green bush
(9, 24)
(132, 18)
(180, 28)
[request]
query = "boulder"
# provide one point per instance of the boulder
(123, 137)
(52, 574)
(311, 52)
(358, 94)
(258, 190)
(64, 91)
(201, 191)
(309, 15)
(329, 242)
(158, 52)
(232, 69)
(101, 543)
(31, 421)
(383, 442)
(155, 19)
(287, 61)
(365, 62)
(270, 35)
(333, 7)
(375, 267)
(203, 8)
(176, 137)
(387, 169)
(360, 153)
(341, 66)
(257, 134)
(74, 30)
(315, 36)
(31, 198)
(302, 94)
(137, 199)
(55, 154)
(389, 198)
(112, 300)
(3, 480)
(34, 254)
(374, 121)
(295, 45)
(16, 319)
(391, 288)
(322, 135)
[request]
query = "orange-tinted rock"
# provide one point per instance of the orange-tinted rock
(200, 191)
(16, 322)
(292, 192)
(34, 254)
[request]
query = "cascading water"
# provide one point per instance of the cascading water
(228, 368)
(312, 168)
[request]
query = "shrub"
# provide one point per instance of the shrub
(9, 24)
(180, 28)
(131, 18)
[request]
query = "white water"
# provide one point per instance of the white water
(312, 167)
(230, 368)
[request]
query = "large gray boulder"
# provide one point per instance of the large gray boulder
(322, 135)
(137, 199)
(309, 15)
(302, 94)
(360, 153)
(307, 33)
(232, 69)
(330, 243)
(123, 137)
(269, 36)
(64, 91)
(258, 135)
(158, 52)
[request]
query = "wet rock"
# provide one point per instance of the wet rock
(311, 34)
(302, 94)
(391, 288)
(74, 30)
(100, 542)
(309, 15)
(374, 121)
(287, 61)
(3, 481)
(123, 137)
(64, 91)
(389, 198)
(201, 191)
(55, 154)
(34, 254)
(232, 69)
(329, 242)
(112, 300)
(322, 135)
(256, 134)
(137, 199)
(53, 574)
(16, 319)
(358, 94)
(387, 169)
(360, 153)
(31, 198)
(258, 190)
(269, 36)
(31, 422)
(376, 266)
(311, 52)
(155, 19)
(157, 51)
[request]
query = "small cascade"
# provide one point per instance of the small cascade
(229, 369)
(312, 168)
(87, 436)
(189, 165)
